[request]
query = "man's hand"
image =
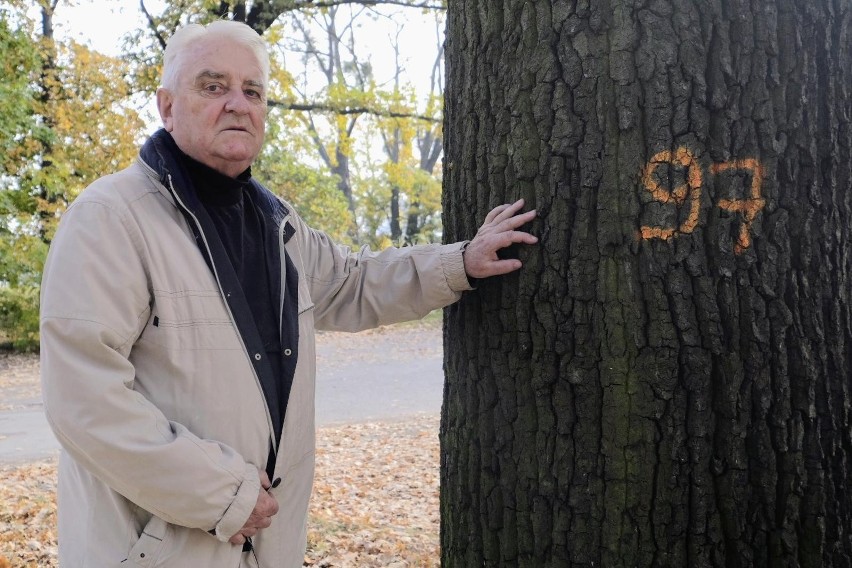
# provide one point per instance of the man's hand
(261, 516)
(497, 232)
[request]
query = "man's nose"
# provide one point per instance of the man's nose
(237, 102)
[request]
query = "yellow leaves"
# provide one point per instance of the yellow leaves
(92, 119)
(376, 496)
(382, 242)
(375, 501)
(401, 176)
(344, 140)
(274, 35)
(281, 84)
(28, 516)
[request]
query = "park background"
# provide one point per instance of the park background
(354, 135)
(353, 141)
(668, 381)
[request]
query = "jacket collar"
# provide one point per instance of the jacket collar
(160, 153)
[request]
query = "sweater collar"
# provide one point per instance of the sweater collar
(211, 186)
(215, 188)
(161, 154)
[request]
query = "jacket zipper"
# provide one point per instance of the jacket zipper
(183, 206)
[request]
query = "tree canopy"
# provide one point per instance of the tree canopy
(354, 149)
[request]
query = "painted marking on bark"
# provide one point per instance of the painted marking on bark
(683, 157)
(749, 207)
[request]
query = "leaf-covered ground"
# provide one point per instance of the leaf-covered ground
(375, 500)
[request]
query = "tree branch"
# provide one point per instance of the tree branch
(152, 25)
(263, 13)
(319, 107)
(300, 4)
(323, 151)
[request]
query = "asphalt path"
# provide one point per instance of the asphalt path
(389, 374)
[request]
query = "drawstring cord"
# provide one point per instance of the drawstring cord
(249, 547)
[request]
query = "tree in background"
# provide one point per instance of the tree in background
(668, 380)
(314, 191)
(346, 104)
(415, 195)
(76, 122)
(71, 115)
(346, 80)
(21, 251)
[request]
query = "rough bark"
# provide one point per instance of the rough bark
(667, 380)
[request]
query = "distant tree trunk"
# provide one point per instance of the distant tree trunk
(49, 87)
(396, 230)
(667, 380)
(344, 178)
(412, 227)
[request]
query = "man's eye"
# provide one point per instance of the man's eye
(252, 94)
(214, 88)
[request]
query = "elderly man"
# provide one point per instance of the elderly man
(179, 304)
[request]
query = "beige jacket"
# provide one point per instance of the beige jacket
(151, 392)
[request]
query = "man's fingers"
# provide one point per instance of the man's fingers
(508, 211)
(264, 479)
(494, 212)
(516, 221)
(503, 212)
(507, 238)
(262, 523)
(267, 505)
(499, 267)
(237, 539)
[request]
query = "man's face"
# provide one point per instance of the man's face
(217, 112)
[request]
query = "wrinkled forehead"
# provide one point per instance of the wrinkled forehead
(223, 58)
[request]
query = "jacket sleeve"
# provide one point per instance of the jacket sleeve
(360, 290)
(95, 302)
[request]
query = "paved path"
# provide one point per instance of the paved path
(381, 375)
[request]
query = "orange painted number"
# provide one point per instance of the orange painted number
(749, 207)
(692, 188)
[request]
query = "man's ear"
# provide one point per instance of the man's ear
(164, 105)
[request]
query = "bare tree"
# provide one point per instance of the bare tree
(427, 139)
(336, 57)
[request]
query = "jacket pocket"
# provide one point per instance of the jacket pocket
(193, 320)
(148, 550)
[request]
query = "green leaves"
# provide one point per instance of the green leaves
(352, 147)
(66, 118)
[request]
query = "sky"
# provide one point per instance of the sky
(102, 24)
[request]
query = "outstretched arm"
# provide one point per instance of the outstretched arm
(497, 232)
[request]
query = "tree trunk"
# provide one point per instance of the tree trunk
(667, 380)
(396, 230)
(412, 227)
(47, 196)
(344, 179)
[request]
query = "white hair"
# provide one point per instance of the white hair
(225, 29)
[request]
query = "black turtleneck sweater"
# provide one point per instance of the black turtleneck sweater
(250, 241)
